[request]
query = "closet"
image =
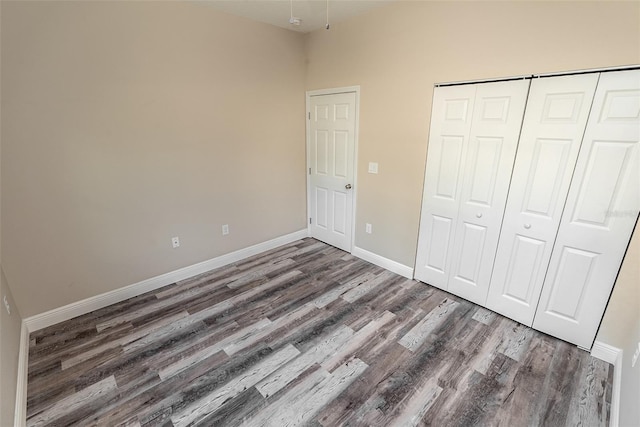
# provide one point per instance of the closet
(557, 113)
(473, 141)
(531, 194)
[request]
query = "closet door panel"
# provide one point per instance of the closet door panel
(599, 217)
(448, 141)
(554, 123)
(497, 119)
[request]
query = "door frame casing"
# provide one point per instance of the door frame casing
(333, 91)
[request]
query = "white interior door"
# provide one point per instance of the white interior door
(555, 119)
(495, 128)
(601, 212)
(451, 114)
(331, 147)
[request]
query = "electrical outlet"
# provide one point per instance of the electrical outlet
(6, 304)
(225, 229)
(175, 242)
(635, 356)
(368, 228)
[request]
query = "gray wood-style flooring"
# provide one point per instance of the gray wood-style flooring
(307, 334)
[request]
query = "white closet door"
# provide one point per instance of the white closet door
(601, 212)
(495, 128)
(448, 140)
(554, 123)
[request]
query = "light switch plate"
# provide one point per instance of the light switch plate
(373, 167)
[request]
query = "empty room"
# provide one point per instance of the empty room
(319, 212)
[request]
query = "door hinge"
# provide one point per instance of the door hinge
(309, 171)
(309, 220)
(309, 115)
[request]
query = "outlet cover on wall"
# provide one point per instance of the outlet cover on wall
(225, 229)
(368, 228)
(373, 167)
(175, 242)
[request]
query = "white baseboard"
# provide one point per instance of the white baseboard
(57, 315)
(20, 413)
(383, 262)
(605, 352)
(611, 355)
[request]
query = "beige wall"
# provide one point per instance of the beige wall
(630, 384)
(127, 123)
(10, 325)
(623, 311)
(397, 53)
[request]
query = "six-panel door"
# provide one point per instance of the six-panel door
(448, 141)
(495, 128)
(555, 119)
(600, 214)
(331, 156)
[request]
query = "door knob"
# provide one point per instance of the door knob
(348, 186)
(527, 226)
(479, 215)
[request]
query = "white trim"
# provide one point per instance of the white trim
(20, 413)
(605, 352)
(589, 70)
(611, 355)
(383, 262)
(489, 80)
(356, 135)
(307, 138)
(539, 75)
(88, 305)
(614, 413)
(335, 91)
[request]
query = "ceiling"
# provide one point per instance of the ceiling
(313, 13)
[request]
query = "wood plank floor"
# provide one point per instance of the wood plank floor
(307, 334)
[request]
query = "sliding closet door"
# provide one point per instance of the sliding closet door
(601, 212)
(448, 140)
(495, 128)
(555, 119)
